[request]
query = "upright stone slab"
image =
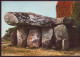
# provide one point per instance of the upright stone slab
(22, 34)
(47, 34)
(61, 34)
(65, 44)
(34, 38)
(13, 37)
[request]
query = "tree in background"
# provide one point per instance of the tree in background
(76, 13)
(63, 9)
(69, 9)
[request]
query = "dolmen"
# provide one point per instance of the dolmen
(33, 30)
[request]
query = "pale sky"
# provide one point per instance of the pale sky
(45, 8)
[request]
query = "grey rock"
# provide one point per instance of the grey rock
(47, 34)
(61, 34)
(22, 34)
(22, 18)
(13, 37)
(34, 38)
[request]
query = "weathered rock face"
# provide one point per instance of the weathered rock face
(34, 38)
(22, 34)
(61, 35)
(13, 37)
(47, 35)
(21, 18)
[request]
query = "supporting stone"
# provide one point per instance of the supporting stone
(61, 34)
(65, 44)
(47, 34)
(13, 37)
(22, 34)
(34, 38)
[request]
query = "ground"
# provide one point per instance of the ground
(8, 50)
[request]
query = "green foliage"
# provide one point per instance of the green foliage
(76, 13)
(9, 31)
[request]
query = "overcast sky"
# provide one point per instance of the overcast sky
(45, 8)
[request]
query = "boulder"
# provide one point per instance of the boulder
(31, 19)
(47, 35)
(62, 37)
(34, 38)
(22, 34)
(13, 37)
(21, 18)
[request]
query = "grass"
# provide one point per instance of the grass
(8, 50)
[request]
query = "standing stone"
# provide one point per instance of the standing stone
(34, 38)
(61, 35)
(47, 34)
(22, 37)
(13, 37)
(65, 44)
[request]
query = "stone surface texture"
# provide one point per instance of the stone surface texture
(13, 37)
(22, 18)
(34, 38)
(47, 34)
(61, 34)
(22, 34)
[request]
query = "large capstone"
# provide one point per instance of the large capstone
(32, 19)
(62, 38)
(21, 18)
(47, 35)
(13, 37)
(34, 38)
(22, 34)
